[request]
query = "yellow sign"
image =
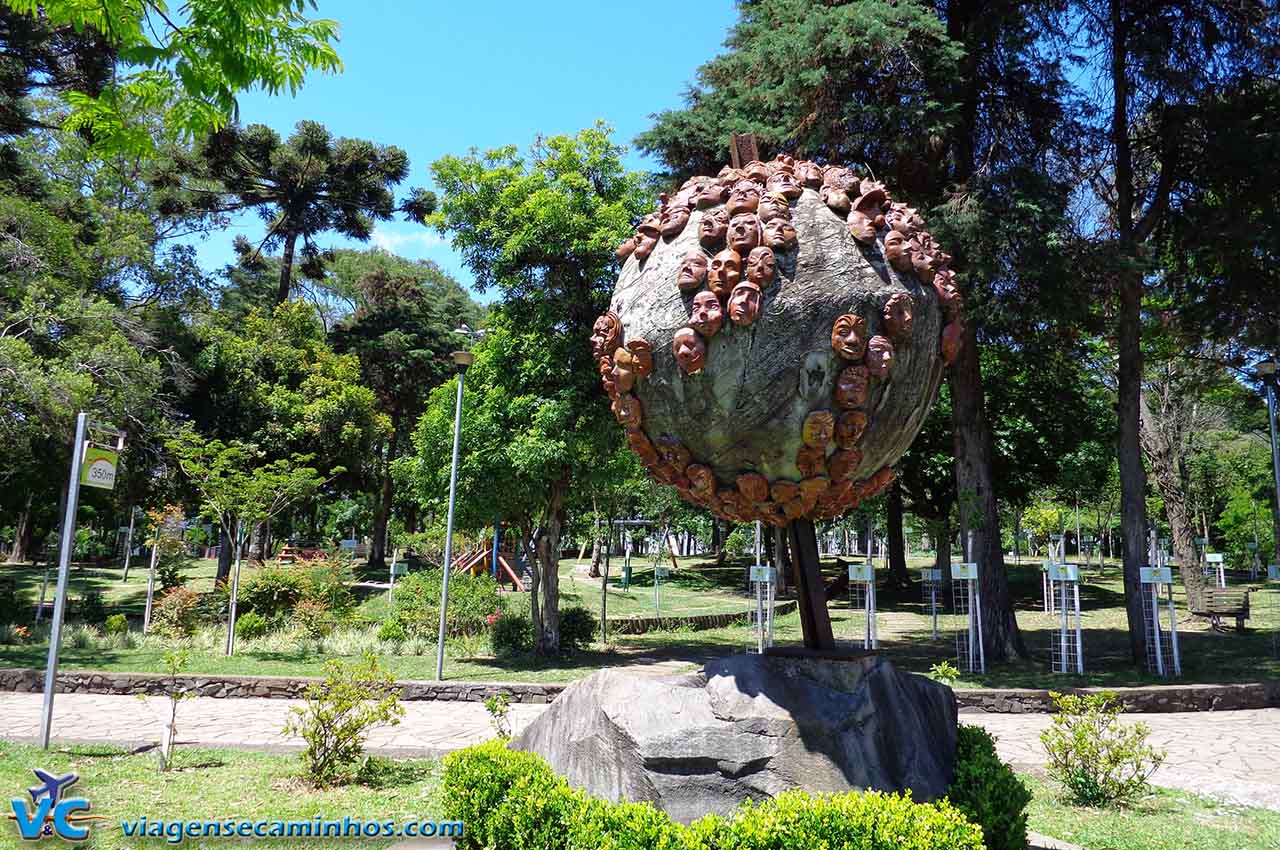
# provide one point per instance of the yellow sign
(98, 468)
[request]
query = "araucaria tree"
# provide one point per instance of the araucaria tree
(541, 228)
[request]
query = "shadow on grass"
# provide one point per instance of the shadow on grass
(380, 773)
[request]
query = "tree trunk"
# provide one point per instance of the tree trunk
(595, 543)
(535, 579)
(548, 636)
(382, 513)
(286, 269)
(898, 574)
(782, 560)
(978, 508)
(225, 552)
(942, 548)
(23, 531)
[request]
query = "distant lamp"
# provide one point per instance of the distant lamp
(463, 359)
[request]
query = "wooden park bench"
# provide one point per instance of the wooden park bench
(1218, 602)
(292, 554)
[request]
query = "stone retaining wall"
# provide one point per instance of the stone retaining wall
(640, 625)
(1153, 699)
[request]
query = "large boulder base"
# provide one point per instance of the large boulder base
(750, 727)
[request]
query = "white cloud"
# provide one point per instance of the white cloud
(406, 242)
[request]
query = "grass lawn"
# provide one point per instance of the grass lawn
(215, 784)
(1163, 820)
(699, 587)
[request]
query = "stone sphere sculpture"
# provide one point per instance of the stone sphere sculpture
(795, 323)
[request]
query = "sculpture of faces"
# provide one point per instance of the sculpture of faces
(624, 373)
(744, 303)
(641, 356)
(944, 283)
(899, 314)
(646, 238)
(773, 205)
(835, 198)
(813, 487)
(842, 463)
(626, 409)
(851, 389)
(879, 356)
(784, 491)
(861, 228)
(707, 316)
(702, 481)
(811, 461)
(904, 219)
(756, 170)
(672, 452)
(761, 266)
(689, 350)
(713, 227)
(849, 336)
(693, 271)
(625, 249)
(674, 218)
(754, 487)
(922, 260)
(839, 177)
(952, 342)
(779, 234)
(712, 194)
(850, 427)
(643, 448)
(744, 197)
(606, 377)
(606, 335)
(809, 174)
(724, 272)
(896, 251)
(744, 233)
(819, 427)
(785, 184)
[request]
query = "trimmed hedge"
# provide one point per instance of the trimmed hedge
(988, 791)
(511, 800)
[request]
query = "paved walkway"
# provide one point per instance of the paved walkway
(1231, 755)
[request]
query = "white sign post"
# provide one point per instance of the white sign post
(862, 595)
(1163, 656)
(930, 582)
(1068, 646)
(967, 596)
(1214, 568)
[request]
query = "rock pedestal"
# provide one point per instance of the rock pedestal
(750, 727)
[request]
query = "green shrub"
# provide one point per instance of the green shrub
(116, 624)
(988, 792)
(176, 613)
(251, 625)
(1098, 760)
(511, 634)
(273, 591)
(313, 618)
(328, 583)
(944, 672)
(11, 606)
(578, 628)
(472, 599)
(91, 608)
(169, 567)
(499, 708)
(392, 631)
(513, 800)
(336, 716)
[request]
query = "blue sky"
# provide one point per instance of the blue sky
(440, 78)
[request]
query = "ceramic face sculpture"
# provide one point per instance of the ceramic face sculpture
(641, 356)
(809, 174)
(843, 462)
(773, 205)
(627, 410)
(743, 198)
(779, 234)
(757, 171)
(754, 487)
(707, 315)
(896, 251)
(606, 334)
(606, 377)
(724, 272)
(839, 177)
(851, 387)
(879, 356)
(712, 194)
(784, 183)
(744, 233)
(849, 336)
(784, 491)
(837, 199)
(899, 313)
(625, 249)
(693, 271)
(944, 283)
(744, 303)
(952, 342)
(689, 350)
(850, 426)
(646, 239)
(811, 461)
(702, 481)
(819, 426)
(624, 371)
(643, 448)
(674, 218)
(713, 227)
(674, 453)
(862, 228)
(761, 266)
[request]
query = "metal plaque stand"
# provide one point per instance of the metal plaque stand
(1067, 646)
(862, 597)
(1163, 657)
(966, 597)
(931, 595)
(1215, 568)
(762, 581)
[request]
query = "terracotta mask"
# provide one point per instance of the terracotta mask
(839, 177)
(811, 461)
(643, 448)
(641, 356)
(785, 184)
(713, 227)
(809, 174)
(646, 239)
(851, 387)
(754, 487)
(850, 426)
(689, 350)
(625, 249)
(779, 234)
(707, 314)
(756, 170)
(773, 205)
(673, 453)
(674, 218)
(952, 342)
(624, 370)
(849, 336)
(744, 303)
(606, 335)
(744, 233)
(693, 271)
(744, 197)
(819, 426)
(835, 198)
(761, 266)
(606, 377)
(944, 283)
(724, 272)
(712, 194)
(899, 313)
(896, 251)
(702, 481)
(843, 462)
(784, 491)
(879, 356)
(627, 410)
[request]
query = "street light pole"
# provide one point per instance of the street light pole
(462, 359)
(1268, 373)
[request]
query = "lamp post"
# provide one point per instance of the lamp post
(461, 359)
(1267, 373)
